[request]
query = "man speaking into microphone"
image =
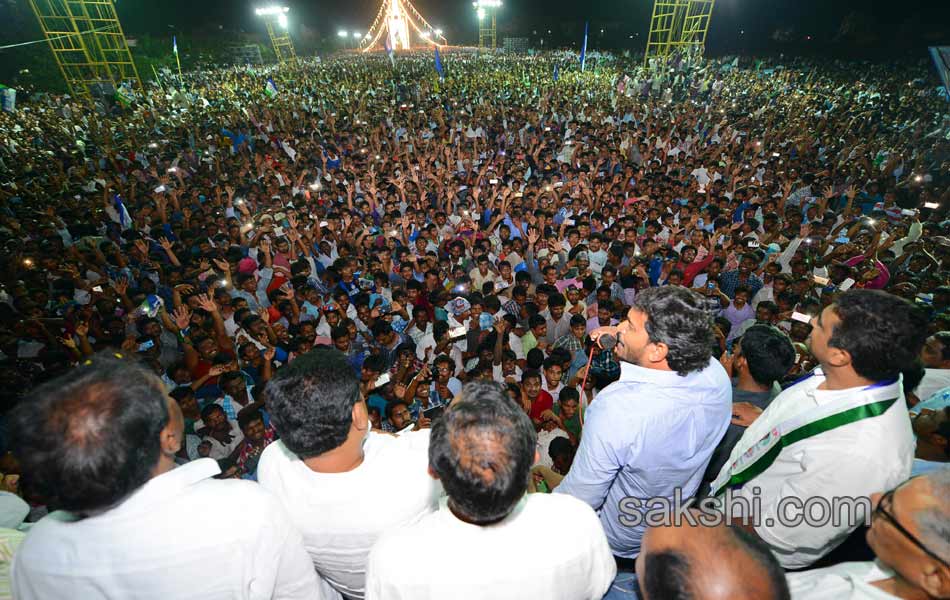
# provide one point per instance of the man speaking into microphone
(655, 429)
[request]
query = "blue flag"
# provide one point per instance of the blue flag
(175, 44)
(122, 216)
(389, 50)
(557, 74)
(438, 65)
(584, 48)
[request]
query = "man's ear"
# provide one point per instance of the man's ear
(838, 357)
(360, 416)
(935, 579)
(657, 352)
(169, 440)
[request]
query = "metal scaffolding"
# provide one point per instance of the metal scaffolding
(678, 26)
(280, 39)
(486, 11)
(88, 43)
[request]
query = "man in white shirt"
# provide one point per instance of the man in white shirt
(101, 442)
(490, 540)
(342, 485)
(910, 539)
(842, 432)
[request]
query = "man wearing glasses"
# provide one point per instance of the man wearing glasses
(910, 535)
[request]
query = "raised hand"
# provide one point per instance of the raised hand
(181, 316)
(206, 303)
(120, 286)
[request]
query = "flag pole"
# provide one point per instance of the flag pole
(181, 80)
(158, 79)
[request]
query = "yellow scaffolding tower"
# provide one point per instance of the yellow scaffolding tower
(487, 22)
(88, 43)
(678, 25)
(280, 39)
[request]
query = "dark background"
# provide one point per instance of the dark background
(873, 29)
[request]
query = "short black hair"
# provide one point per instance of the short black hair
(768, 352)
(311, 402)
(676, 317)
(882, 332)
(88, 439)
(482, 450)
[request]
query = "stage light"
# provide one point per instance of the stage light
(424, 35)
(342, 33)
(481, 14)
(271, 10)
(282, 20)
(438, 32)
(357, 34)
(487, 3)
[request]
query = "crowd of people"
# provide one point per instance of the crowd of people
(458, 333)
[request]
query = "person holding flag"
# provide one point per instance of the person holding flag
(438, 65)
(584, 48)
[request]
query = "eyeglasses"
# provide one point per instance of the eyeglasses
(888, 499)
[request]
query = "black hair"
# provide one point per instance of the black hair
(882, 332)
(249, 416)
(677, 318)
(768, 352)
(88, 439)
(482, 450)
(311, 402)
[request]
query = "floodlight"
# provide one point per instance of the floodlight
(438, 32)
(282, 20)
(425, 35)
(357, 34)
(342, 33)
(481, 14)
(271, 10)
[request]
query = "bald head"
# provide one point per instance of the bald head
(708, 563)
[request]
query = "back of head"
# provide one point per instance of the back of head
(712, 563)
(482, 450)
(768, 352)
(90, 438)
(676, 317)
(882, 333)
(311, 402)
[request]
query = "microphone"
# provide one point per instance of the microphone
(607, 341)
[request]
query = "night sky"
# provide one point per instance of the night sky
(907, 23)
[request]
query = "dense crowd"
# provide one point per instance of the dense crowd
(443, 233)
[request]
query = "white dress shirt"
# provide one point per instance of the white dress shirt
(845, 581)
(341, 515)
(854, 460)
(551, 546)
(182, 535)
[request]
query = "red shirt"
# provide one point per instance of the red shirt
(543, 402)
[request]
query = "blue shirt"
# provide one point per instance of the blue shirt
(646, 435)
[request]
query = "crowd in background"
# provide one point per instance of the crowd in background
(478, 227)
